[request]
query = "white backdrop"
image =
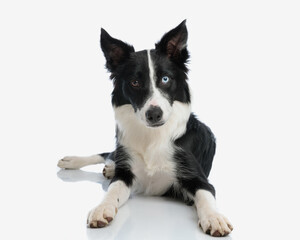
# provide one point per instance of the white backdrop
(55, 98)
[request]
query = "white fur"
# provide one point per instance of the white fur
(209, 217)
(156, 99)
(151, 149)
(118, 193)
(109, 168)
(73, 162)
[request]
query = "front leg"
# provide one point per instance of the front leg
(118, 193)
(210, 220)
(192, 179)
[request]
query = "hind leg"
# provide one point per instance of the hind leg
(109, 169)
(72, 162)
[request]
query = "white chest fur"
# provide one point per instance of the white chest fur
(151, 149)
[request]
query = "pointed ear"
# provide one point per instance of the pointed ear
(174, 43)
(115, 51)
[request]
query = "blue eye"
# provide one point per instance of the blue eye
(165, 79)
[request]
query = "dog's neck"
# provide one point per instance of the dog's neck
(134, 134)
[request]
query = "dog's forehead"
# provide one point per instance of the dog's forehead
(140, 60)
(140, 56)
(138, 65)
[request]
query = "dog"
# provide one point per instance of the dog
(162, 149)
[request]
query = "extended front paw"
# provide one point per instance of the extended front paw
(101, 215)
(215, 224)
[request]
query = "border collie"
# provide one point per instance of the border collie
(162, 149)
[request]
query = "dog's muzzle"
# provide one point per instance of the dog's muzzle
(154, 116)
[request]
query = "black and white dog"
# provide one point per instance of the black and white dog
(161, 149)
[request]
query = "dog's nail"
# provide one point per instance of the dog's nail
(109, 219)
(216, 234)
(101, 224)
(92, 225)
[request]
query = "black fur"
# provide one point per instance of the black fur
(123, 170)
(200, 141)
(194, 159)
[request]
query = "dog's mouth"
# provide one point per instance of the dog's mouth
(155, 125)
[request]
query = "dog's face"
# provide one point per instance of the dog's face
(149, 80)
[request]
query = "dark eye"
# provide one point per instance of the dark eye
(165, 79)
(135, 83)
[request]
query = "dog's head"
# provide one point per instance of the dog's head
(149, 80)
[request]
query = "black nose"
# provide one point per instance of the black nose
(154, 115)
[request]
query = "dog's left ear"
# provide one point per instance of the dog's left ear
(174, 43)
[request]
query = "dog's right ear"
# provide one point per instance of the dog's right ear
(115, 51)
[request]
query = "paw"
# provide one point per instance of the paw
(215, 224)
(101, 215)
(109, 169)
(72, 162)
